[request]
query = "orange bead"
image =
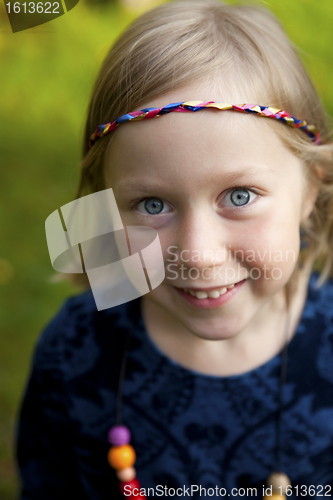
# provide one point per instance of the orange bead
(120, 457)
(126, 475)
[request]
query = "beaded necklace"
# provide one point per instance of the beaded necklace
(122, 456)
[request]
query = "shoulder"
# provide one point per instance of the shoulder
(320, 300)
(78, 334)
(312, 346)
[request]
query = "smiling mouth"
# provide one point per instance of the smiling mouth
(212, 293)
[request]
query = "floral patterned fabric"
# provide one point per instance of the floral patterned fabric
(187, 428)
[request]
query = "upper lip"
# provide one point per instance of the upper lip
(218, 287)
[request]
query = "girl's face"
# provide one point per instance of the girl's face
(226, 198)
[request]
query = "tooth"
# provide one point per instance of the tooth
(186, 290)
(230, 286)
(192, 293)
(201, 295)
(223, 290)
(213, 294)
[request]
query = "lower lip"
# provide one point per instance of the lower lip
(211, 303)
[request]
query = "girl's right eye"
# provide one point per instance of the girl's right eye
(154, 206)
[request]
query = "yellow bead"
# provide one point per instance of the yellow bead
(121, 457)
(279, 482)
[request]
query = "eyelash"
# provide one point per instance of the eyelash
(247, 188)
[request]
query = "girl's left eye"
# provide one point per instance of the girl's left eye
(238, 197)
(154, 206)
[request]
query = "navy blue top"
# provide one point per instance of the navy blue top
(187, 428)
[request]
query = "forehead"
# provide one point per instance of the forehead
(196, 149)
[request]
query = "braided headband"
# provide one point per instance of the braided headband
(144, 114)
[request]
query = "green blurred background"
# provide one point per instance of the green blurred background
(46, 75)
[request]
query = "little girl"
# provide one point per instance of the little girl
(188, 390)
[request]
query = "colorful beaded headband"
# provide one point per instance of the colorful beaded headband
(144, 114)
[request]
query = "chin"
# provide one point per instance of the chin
(211, 328)
(222, 329)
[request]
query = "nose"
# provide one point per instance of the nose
(201, 240)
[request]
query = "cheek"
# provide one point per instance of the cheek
(270, 245)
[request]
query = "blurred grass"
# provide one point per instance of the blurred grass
(47, 74)
(46, 78)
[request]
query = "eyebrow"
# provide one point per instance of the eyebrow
(245, 175)
(241, 176)
(138, 186)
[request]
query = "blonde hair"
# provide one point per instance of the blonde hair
(189, 41)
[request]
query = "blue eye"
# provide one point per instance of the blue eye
(239, 197)
(152, 206)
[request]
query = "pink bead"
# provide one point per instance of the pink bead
(126, 475)
(119, 435)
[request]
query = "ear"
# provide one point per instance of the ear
(309, 200)
(320, 171)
